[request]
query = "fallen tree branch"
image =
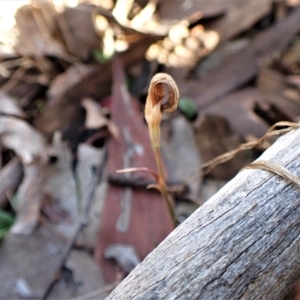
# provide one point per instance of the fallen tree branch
(241, 244)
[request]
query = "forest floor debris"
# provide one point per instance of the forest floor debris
(237, 66)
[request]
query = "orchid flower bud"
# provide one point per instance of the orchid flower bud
(162, 87)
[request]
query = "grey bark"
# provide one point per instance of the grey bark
(243, 243)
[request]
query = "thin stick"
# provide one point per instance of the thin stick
(208, 166)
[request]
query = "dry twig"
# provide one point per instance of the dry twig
(208, 166)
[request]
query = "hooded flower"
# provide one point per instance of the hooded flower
(160, 85)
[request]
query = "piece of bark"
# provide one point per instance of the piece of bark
(10, 177)
(132, 217)
(242, 67)
(243, 243)
(240, 17)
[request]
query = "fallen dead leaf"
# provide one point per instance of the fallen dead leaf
(95, 118)
(9, 106)
(279, 90)
(24, 140)
(37, 28)
(30, 147)
(78, 30)
(66, 80)
(215, 137)
(238, 108)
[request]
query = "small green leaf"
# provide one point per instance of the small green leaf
(129, 82)
(101, 57)
(188, 108)
(6, 221)
(40, 104)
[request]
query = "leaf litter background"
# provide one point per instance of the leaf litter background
(73, 82)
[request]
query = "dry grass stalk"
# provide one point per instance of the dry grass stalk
(274, 168)
(208, 166)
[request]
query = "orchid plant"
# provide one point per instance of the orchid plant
(162, 97)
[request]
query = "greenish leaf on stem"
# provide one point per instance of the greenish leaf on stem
(188, 108)
(6, 221)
